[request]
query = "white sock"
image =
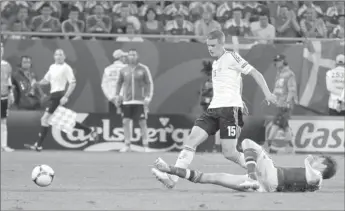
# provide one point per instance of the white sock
(184, 159)
(3, 133)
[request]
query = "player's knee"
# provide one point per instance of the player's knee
(247, 143)
(126, 121)
(196, 137)
(142, 123)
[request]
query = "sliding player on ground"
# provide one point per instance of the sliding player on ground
(268, 177)
(7, 99)
(136, 82)
(223, 112)
(58, 76)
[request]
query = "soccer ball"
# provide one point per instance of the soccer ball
(42, 175)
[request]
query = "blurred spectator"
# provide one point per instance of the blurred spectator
(338, 31)
(263, 29)
(130, 29)
(150, 5)
(45, 22)
(9, 9)
(286, 22)
(311, 26)
(237, 26)
(197, 8)
(73, 24)
(133, 9)
(332, 15)
(207, 24)
(23, 19)
(98, 22)
(250, 11)
(28, 95)
(120, 23)
(175, 8)
(308, 5)
(179, 26)
(90, 6)
(150, 24)
(224, 11)
(55, 7)
(16, 27)
(71, 5)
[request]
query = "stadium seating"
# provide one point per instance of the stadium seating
(191, 18)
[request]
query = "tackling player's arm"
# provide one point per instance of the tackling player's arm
(330, 85)
(246, 69)
(313, 176)
(71, 81)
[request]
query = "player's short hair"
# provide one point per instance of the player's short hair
(331, 167)
(74, 9)
(218, 35)
(133, 49)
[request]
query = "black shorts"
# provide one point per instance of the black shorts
(54, 101)
(228, 120)
(4, 108)
(282, 117)
(133, 111)
(333, 112)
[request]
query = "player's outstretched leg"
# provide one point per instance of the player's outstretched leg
(197, 136)
(251, 152)
(225, 180)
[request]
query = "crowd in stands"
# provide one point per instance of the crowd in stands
(263, 19)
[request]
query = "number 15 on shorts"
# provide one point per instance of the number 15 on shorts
(230, 132)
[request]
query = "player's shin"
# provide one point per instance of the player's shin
(230, 152)
(250, 156)
(3, 133)
(184, 159)
(191, 175)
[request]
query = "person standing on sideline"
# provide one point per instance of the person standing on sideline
(109, 79)
(7, 99)
(285, 89)
(335, 85)
(137, 84)
(58, 76)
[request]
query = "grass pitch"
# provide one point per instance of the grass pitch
(114, 181)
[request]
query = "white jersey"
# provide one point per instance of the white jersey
(335, 84)
(58, 76)
(226, 80)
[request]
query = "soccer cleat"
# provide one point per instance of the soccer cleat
(164, 178)
(6, 149)
(127, 148)
(161, 165)
(253, 184)
(33, 147)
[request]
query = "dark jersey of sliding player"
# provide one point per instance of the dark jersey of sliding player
(294, 180)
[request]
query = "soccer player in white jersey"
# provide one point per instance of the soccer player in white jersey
(58, 76)
(222, 114)
(6, 99)
(335, 84)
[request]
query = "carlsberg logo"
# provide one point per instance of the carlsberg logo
(167, 132)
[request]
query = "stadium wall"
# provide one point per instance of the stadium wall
(175, 68)
(167, 131)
